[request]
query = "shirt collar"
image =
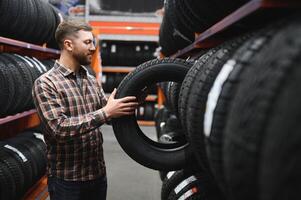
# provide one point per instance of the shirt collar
(66, 71)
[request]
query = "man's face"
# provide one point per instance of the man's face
(83, 47)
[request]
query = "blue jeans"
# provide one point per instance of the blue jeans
(60, 189)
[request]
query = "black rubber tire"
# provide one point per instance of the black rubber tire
(180, 28)
(4, 5)
(280, 162)
(167, 86)
(162, 175)
(263, 79)
(143, 150)
(8, 12)
(50, 63)
(171, 40)
(42, 66)
(229, 6)
(214, 137)
(50, 25)
(25, 166)
(186, 18)
(34, 71)
(185, 185)
(197, 98)
(186, 86)
(29, 158)
(29, 14)
(171, 96)
(177, 186)
(7, 88)
(174, 91)
(8, 187)
(52, 42)
(37, 67)
(24, 85)
(37, 140)
(172, 179)
(15, 14)
(35, 152)
(41, 23)
(17, 82)
(15, 171)
(27, 81)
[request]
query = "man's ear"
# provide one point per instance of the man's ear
(68, 45)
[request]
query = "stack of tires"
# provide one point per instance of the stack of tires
(22, 164)
(126, 53)
(33, 21)
(17, 75)
(232, 114)
(183, 18)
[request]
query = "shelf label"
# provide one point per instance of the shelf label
(113, 48)
(20, 154)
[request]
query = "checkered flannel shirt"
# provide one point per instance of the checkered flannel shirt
(69, 107)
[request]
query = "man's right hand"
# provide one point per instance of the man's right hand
(120, 107)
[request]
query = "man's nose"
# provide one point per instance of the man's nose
(92, 47)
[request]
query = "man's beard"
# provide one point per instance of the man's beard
(82, 59)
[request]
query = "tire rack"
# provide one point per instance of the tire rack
(129, 31)
(11, 125)
(221, 31)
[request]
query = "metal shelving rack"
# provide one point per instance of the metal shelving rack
(11, 125)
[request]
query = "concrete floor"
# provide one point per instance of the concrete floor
(128, 180)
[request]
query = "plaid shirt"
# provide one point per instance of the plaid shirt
(69, 107)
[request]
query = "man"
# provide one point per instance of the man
(72, 107)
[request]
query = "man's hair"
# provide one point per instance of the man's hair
(69, 28)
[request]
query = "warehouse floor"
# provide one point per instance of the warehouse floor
(128, 180)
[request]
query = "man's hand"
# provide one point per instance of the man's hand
(120, 107)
